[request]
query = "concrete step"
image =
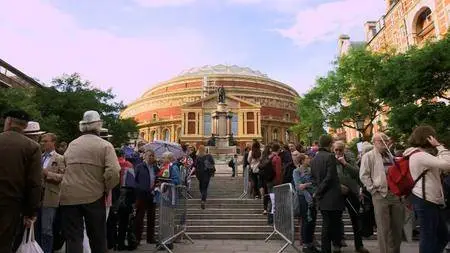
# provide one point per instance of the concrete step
(230, 212)
(250, 236)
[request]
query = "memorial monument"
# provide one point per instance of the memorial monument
(221, 128)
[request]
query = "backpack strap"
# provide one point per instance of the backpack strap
(421, 176)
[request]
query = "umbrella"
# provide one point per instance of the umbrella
(128, 152)
(160, 147)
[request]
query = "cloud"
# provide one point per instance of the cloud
(163, 3)
(45, 42)
(285, 6)
(325, 22)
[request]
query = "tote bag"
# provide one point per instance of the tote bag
(29, 244)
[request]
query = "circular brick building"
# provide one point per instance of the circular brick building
(180, 109)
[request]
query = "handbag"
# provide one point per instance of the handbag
(209, 166)
(29, 244)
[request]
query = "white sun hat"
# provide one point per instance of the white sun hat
(33, 128)
(90, 117)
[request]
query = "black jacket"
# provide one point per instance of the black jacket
(325, 177)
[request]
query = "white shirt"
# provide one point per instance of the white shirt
(47, 159)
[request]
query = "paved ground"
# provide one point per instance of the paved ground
(236, 246)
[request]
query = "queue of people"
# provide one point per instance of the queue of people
(87, 189)
(329, 178)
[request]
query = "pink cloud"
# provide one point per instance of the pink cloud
(163, 3)
(325, 22)
(45, 42)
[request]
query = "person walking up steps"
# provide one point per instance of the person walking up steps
(204, 169)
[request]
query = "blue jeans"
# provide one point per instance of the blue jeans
(47, 216)
(433, 229)
(308, 214)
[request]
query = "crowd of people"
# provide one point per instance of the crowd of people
(87, 195)
(328, 178)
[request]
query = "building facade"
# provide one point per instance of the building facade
(406, 23)
(181, 109)
(10, 77)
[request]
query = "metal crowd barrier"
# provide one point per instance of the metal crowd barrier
(283, 217)
(246, 182)
(185, 180)
(172, 215)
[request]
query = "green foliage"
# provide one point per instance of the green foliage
(416, 86)
(60, 107)
(346, 93)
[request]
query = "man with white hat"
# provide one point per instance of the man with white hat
(92, 171)
(20, 180)
(33, 131)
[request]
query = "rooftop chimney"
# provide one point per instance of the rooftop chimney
(343, 44)
(370, 30)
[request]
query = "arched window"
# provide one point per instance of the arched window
(191, 123)
(264, 135)
(153, 136)
(178, 136)
(286, 136)
(275, 135)
(424, 25)
(166, 135)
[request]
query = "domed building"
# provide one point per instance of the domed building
(181, 109)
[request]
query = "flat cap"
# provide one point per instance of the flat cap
(17, 114)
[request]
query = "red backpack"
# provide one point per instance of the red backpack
(399, 177)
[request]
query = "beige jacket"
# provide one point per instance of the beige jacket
(52, 182)
(422, 161)
(373, 174)
(92, 169)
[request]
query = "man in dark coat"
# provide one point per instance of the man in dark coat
(20, 178)
(328, 193)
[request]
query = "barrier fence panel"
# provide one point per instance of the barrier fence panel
(283, 217)
(185, 179)
(246, 182)
(172, 214)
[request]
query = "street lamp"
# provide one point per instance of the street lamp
(310, 137)
(360, 121)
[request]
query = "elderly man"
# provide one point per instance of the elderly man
(92, 171)
(20, 177)
(389, 211)
(33, 131)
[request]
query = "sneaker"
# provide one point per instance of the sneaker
(310, 250)
(203, 205)
(264, 212)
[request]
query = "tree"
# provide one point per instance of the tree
(60, 107)
(347, 93)
(416, 87)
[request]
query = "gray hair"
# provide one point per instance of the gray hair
(366, 147)
(91, 127)
(382, 136)
(168, 155)
(339, 144)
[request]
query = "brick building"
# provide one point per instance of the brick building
(10, 77)
(181, 108)
(406, 23)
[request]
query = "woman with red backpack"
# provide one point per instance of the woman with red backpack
(427, 160)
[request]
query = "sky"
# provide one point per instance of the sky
(132, 45)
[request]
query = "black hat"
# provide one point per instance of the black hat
(17, 114)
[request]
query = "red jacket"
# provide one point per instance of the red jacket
(276, 163)
(124, 165)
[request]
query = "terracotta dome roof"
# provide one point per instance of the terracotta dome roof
(222, 70)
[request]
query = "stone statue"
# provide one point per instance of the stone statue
(221, 92)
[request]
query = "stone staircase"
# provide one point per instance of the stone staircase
(227, 217)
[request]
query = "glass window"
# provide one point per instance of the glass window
(207, 124)
(167, 135)
(234, 124)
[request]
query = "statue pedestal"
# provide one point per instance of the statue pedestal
(222, 152)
